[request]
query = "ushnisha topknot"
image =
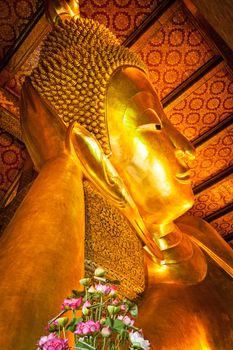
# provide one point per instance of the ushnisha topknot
(76, 61)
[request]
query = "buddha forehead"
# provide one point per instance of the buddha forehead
(75, 68)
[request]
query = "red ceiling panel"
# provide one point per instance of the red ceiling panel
(11, 160)
(204, 105)
(14, 16)
(173, 48)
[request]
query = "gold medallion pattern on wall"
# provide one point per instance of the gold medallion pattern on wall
(122, 17)
(224, 224)
(14, 16)
(213, 199)
(204, 105)
(11, 160)
(173, 50)
(213, 156)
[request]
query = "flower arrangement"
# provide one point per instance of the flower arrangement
(100, 321)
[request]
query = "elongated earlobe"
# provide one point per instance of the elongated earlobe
(42, 129)
(97, 168)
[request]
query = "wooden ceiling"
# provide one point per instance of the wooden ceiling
(188, 69)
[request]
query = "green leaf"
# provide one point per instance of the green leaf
(108, 322)
(124, 333)
(82, 345)
(118, 325)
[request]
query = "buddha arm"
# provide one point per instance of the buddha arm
(42, 249)
(42, 253)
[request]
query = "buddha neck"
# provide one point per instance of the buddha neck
(183, 261)
(161, 230)
(172, 242)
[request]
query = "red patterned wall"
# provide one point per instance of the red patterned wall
(14, 16)
(213, 199)
(11, 160)
(224, 224)
(213, 156)
(173, 48)
(204, 105)
(122, 17)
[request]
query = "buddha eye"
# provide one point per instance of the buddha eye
(152, 117)
(150, 127)
(158, 127)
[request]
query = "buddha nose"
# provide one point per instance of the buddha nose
(187, 152)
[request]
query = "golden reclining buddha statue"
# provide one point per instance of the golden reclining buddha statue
(112, 184)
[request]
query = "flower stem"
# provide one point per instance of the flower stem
(54, 319)
(104, 344)
(64, 332)
(100, 308)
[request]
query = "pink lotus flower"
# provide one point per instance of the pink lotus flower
(84, 328)
(101, 288)
(72, 304)
(52, 342)
(126, 320)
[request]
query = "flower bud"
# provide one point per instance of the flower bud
(53, 327)
(113, 291)
(103, 320)
(106, 331)
(85, 311)
(92, 290)
(99, 272)
(85, 282)
(85, 308)
(113, 310)
(62, 321)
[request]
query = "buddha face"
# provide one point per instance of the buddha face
(147, 151)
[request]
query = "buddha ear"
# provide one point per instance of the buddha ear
(43, 131)
(98, 169)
